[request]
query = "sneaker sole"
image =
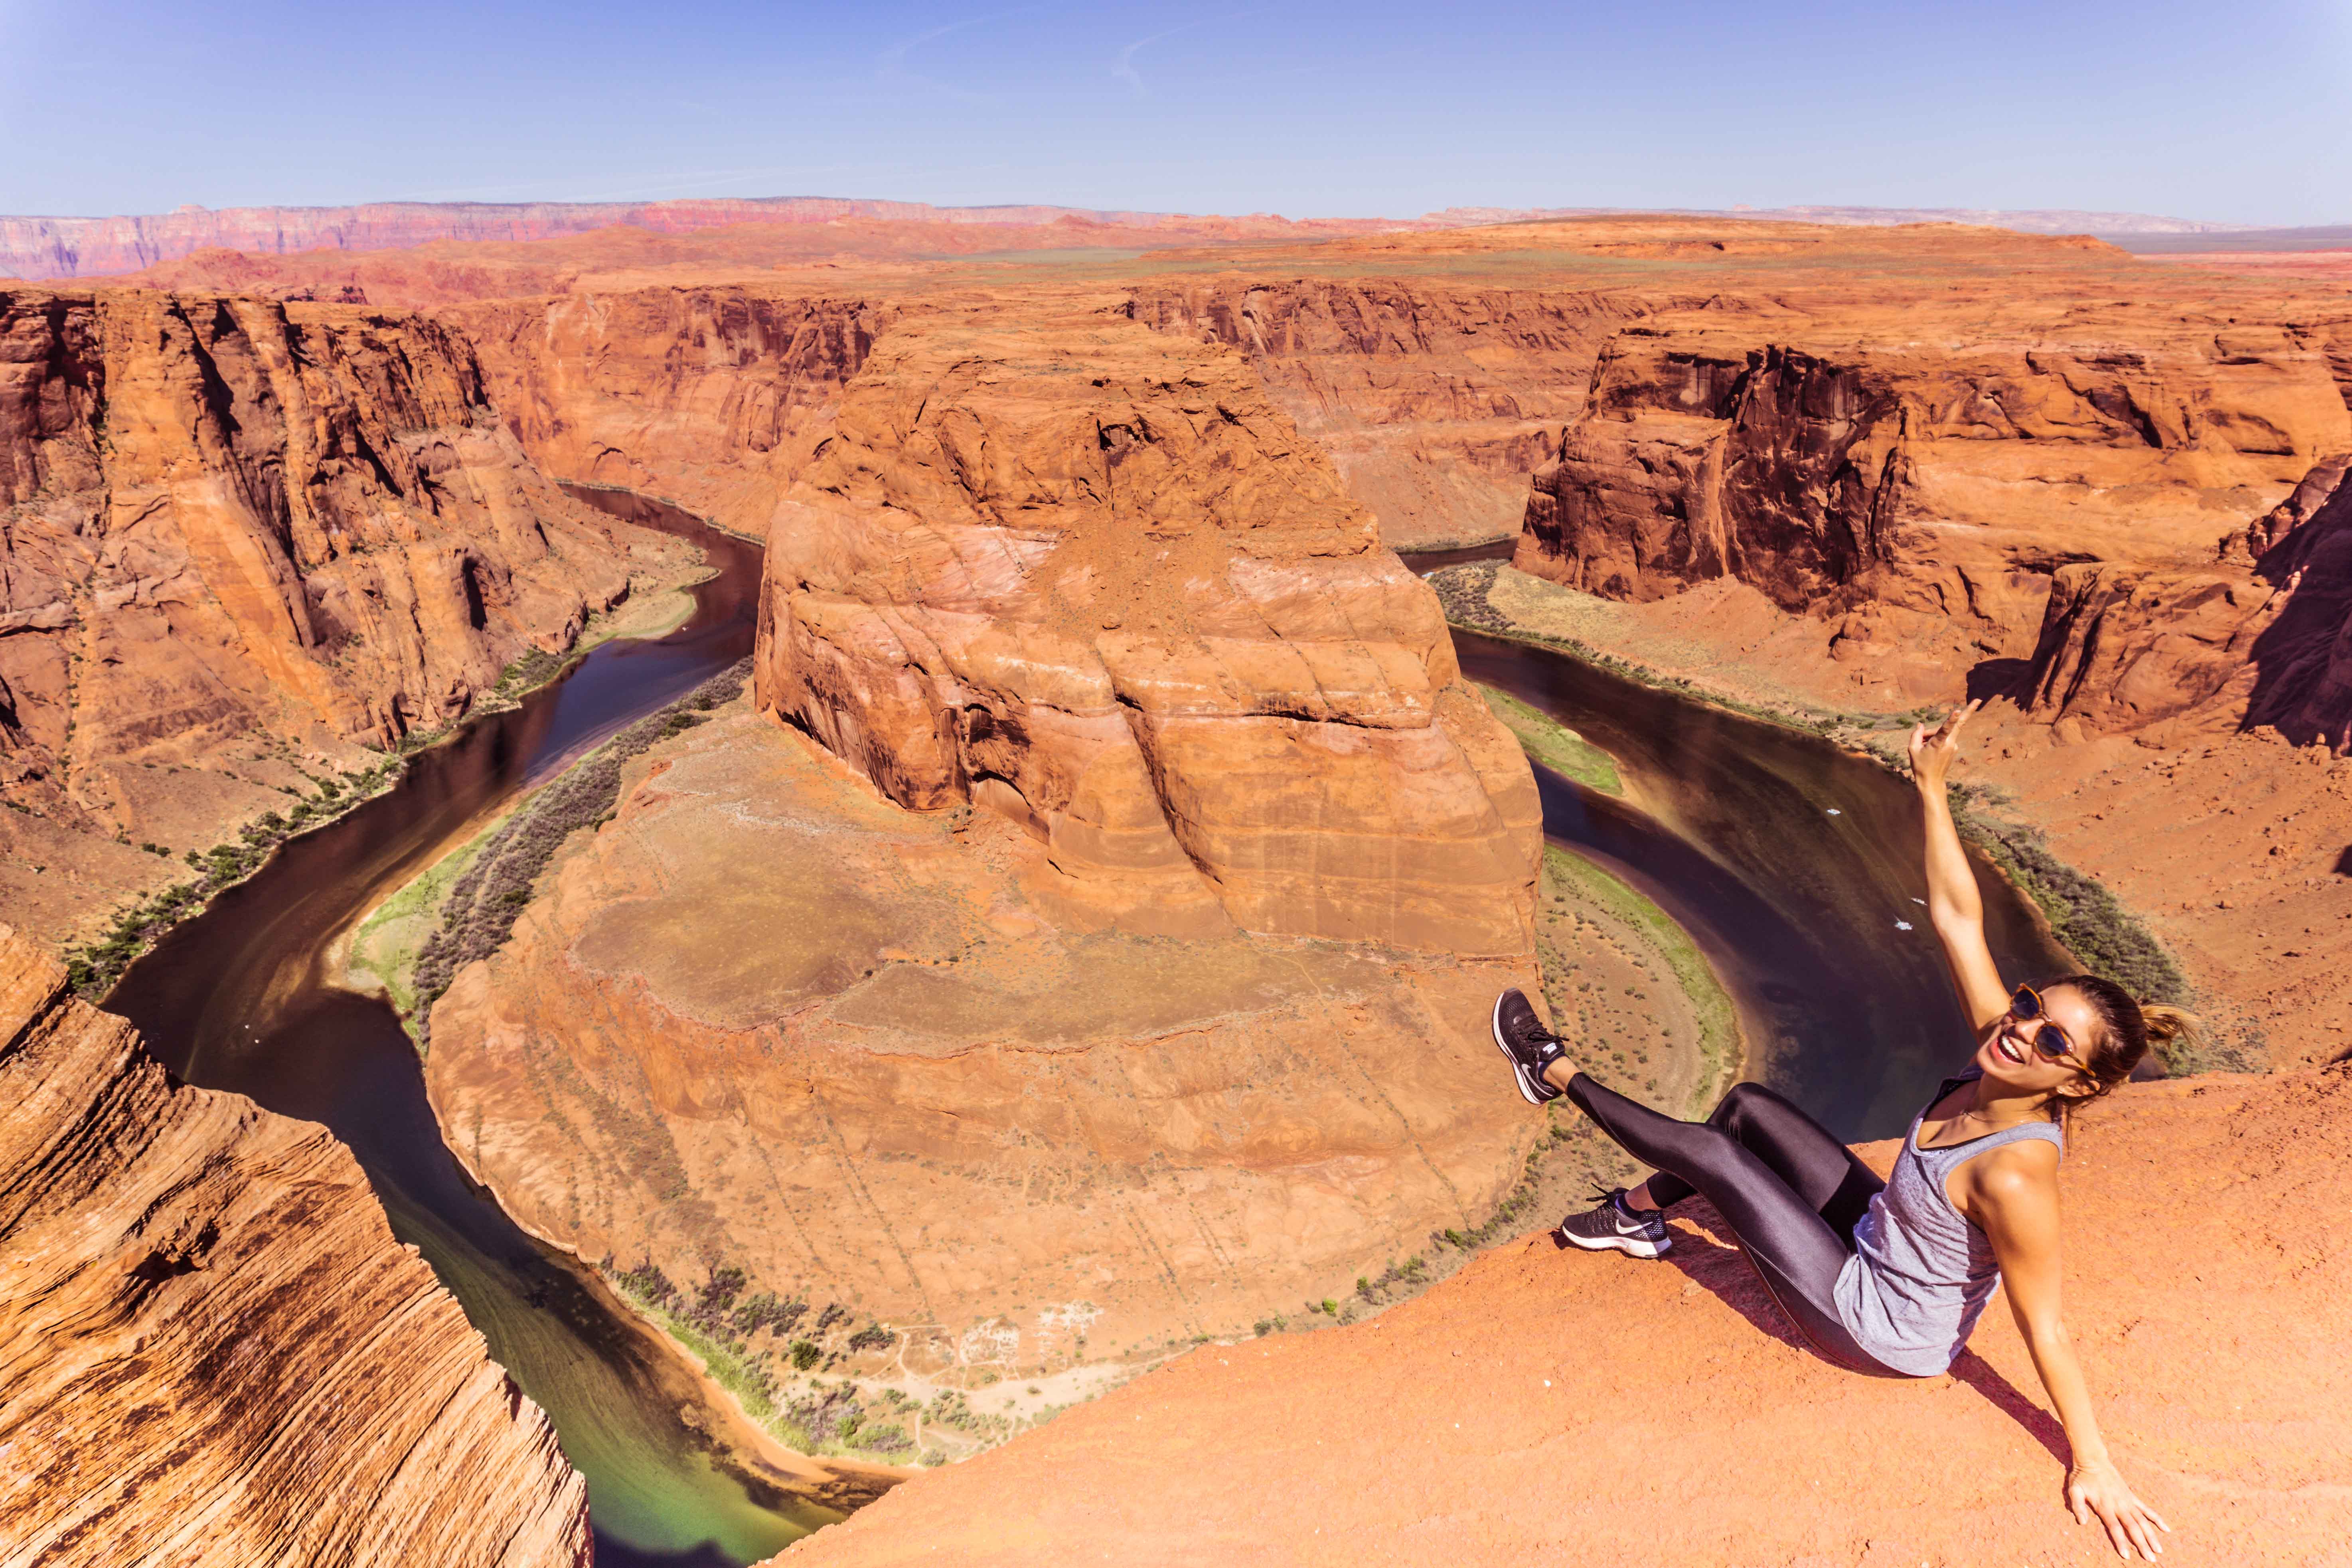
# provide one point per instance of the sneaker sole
(1528, 1091)
(1631, 1245)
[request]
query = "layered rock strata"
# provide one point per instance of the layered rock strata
(1913, 475)
(1464, 1424)
(211, 1350)
(764, 1019)
(1085, 575)
(1095, 952)
(1435, 402)
(711, 397)
(2262, 637)
(239, 540)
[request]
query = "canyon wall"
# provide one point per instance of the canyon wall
(1097, 953)
(1837, 468)
(711, 397)
(1087, 576)
(43, 248)
(211, 1350)
(238, 541)
(1436, 402)
(2262, 637)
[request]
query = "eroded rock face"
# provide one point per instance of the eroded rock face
(233, 528)
(1084, 575)
(709, 397)
(767, 1019)
(1841, 463)
(1098, 951)
(2172, 654)
(1435, 403)
(211, 1350)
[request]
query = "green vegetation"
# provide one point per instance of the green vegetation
(93, 968)
(722, 1321)
(384, 948)
(1554, 744)
(1718, 1020)
(488, 895)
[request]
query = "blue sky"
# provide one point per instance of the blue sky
(2236, 112)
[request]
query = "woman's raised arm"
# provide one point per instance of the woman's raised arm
(1954, 905)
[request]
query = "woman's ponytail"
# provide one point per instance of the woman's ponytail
(2130, 1027)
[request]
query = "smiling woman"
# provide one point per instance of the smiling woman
(1889, 1279)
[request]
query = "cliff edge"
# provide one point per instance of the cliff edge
(211, 1350)
(1553, 1406)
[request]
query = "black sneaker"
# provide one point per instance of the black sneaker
(1530, 1045)
(1636, 1232)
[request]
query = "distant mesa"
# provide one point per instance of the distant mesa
(37, 248)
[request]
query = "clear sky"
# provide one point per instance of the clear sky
(2240, 112)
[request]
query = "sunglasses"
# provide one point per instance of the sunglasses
(2025, 1006)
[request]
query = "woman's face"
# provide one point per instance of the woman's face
(2042, 1055)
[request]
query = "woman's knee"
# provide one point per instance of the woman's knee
(1738, 1098)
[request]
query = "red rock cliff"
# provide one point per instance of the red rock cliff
(211, 1350)
(1064, 1061)
(1840, 458)
(1085, 575)
(1435, 401)
(705, 396)
(241, 538)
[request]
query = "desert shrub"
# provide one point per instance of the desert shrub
(805, 1354)
(767, 1310)
(872, 1337)
(483, 904)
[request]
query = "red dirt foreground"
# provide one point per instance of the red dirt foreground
(1551, 1407)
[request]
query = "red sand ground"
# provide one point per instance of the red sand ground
(1549, 1407)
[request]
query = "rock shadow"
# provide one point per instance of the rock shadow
(2009, 678)
(1725, 1273)
(2298, 686)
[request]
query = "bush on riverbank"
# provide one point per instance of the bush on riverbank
(489, 897)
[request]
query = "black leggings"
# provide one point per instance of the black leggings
(1789, 1190)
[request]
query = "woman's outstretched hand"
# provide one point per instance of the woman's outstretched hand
(1932, 750)
(2096, 1487)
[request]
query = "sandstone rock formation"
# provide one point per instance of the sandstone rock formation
(1143, 999)
(213, 1352)
(1083, 575)
(1435, 401)
(764, 1019)
(241, 540)
(43, 248)
(1834, 462)
(710, 397)
(1551, 1405)
(2131, 649)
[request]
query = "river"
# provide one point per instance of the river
(1790, 861)
(246, 997)
(1795, 865)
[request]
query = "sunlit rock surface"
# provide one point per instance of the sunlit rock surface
(211, 1350)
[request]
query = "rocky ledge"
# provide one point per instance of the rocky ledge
(213, 1354)
(1557, 1408)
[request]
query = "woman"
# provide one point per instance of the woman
(1889, 1279)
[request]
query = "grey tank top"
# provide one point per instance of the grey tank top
(1921, 1271)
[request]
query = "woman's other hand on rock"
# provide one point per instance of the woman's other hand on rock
(2095, 1488)
(1932, 750)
